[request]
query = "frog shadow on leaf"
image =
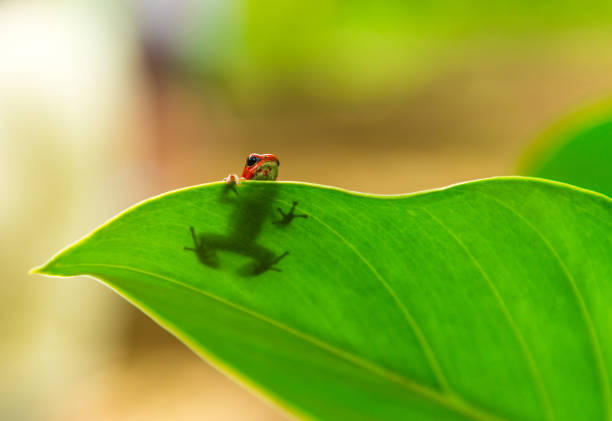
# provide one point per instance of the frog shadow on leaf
(252, 207)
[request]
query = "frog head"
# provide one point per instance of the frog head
(261, 167)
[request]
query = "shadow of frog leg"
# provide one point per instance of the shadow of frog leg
(204, 250)
(289, 216)
(207, 246)
(264, 264)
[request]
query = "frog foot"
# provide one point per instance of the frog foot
(231, 182)
(232, 179)
(288, 217)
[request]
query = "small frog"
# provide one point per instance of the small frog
(258, 167)
(246, 221)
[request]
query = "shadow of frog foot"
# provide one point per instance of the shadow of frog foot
(257, 268)
(289, 216)
(233, 187)
(206, 256)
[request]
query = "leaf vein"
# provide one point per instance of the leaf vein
(429, 354)
(592, 333)
(451, 402)
(531, 363)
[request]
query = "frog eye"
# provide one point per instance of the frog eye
(252, 160)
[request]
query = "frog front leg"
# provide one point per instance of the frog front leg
(232, 179)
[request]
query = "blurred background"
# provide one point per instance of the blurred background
(103, 104)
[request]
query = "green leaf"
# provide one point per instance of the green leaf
(486, 300)
(577, 150)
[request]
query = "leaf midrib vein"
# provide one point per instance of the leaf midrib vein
(451, 402)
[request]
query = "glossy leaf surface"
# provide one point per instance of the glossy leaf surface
(486, 300)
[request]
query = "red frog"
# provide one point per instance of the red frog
(258, 167)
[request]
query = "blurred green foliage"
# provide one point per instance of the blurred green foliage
(578, 151)
(347, 48)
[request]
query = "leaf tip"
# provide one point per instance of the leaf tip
(39, 270)
(46, 269)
